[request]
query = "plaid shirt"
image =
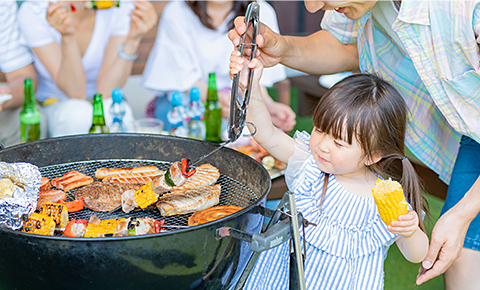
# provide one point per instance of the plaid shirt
(438, 75)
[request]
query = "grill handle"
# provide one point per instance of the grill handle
(274, 236)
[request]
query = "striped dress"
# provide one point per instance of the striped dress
(347, 248)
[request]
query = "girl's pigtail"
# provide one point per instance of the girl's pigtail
(413, 189)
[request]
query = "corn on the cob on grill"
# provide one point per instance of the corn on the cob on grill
(111, 224)
(145, 196)
(58, 212)
(390, 200)
(39, 224)
(95, 231)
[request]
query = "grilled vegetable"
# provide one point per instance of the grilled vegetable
(111, 223)
(145, 196)
(95, 231)
(187, 173)
(58, 212)
(75, 205)
(39, 224)
(390, 200)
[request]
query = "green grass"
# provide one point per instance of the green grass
(399, 273)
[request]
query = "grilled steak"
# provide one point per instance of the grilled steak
(104, 197)
(182, 201)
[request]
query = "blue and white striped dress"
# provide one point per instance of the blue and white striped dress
(347, 248)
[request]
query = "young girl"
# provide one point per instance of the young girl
(359, 130)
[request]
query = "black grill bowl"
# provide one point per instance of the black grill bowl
(178, 259)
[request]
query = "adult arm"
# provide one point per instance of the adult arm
(15, 80)
(449, 233)
(318, 53)
(116, 70)
(64, 61)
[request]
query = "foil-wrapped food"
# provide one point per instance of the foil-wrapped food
(19, 185)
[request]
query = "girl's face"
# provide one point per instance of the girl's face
(336, 156)
(353, 9)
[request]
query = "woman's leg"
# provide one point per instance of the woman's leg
(464, 272)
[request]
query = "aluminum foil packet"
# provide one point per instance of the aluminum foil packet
(27, 180)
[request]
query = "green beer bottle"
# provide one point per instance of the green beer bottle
(98, 120)
(213, 112)
(30, 115)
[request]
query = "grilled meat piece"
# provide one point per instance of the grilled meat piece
(103, 197)
(211, 214)
(176, 174)
(187, 200)
(52, 195)
(71, 179)
(135, 175)
(206, 174)
(45, 183)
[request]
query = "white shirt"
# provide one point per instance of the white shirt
(14, 54)
(185, 51)
(38, 32)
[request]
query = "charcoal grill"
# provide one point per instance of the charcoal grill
(176, 259)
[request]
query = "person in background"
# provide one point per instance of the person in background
(192, 41)
(358, 131)
(429, 50)
(79, 53)
(16, 62)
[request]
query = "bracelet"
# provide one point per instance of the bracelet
(125, 56)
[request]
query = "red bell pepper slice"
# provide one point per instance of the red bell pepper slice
(158, 224)
(185, 166)
(75, 205)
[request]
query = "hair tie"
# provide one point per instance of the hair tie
(404, 157)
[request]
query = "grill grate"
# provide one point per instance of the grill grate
(232, 192)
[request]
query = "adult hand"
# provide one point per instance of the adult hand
(445, 247)
(271, 46)
(59, 18)
(282, 116)
(143, 18)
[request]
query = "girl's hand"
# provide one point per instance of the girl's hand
(59, 18)
(237, 65)
(406, 225)
(143, 18)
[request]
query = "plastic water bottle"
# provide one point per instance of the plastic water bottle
(196, 127)
(177, 116)
(117, 110)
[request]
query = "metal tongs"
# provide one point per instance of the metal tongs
(239, 103)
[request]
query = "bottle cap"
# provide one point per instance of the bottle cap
(194, 94)
(177, 99)
(117, 95)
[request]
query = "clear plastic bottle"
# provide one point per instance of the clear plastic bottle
(177, 116)
(196, 127)
(117, 110)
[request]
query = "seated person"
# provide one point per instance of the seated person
(79, 53)
(191, 42)
(16, 63)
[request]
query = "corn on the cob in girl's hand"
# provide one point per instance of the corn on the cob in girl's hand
(390, 200)
(39, 224)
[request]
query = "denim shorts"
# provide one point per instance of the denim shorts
(465, 173)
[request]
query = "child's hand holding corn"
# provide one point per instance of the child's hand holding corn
(406, 225)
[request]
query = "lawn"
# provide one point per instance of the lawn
(399, 273)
